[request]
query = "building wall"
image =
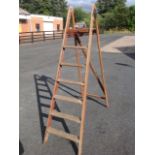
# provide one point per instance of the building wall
(32, 22)
(24, 25)
(36, 20)
(58, 24)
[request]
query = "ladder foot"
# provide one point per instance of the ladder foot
(46, 138)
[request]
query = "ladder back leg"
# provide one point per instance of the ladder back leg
(101, 61)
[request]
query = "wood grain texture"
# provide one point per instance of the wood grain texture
(63, 134)
(66, 116)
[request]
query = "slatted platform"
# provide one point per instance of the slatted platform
(80, 31)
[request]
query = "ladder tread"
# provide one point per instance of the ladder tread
(66, 116)
(63, 134)
(75, 47)
(71, 65)
(69, 99)
(71, 82)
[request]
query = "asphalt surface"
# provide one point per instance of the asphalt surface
(107, 131)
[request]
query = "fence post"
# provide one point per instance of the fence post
(19, 38)
(62, 34)
(32, 37)
(44, 35)
(53, 35)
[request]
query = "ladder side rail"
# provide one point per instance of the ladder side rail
(52, 104)
(83, 114)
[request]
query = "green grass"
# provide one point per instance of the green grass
(117, 31)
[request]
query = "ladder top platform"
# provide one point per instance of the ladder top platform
(79, 30)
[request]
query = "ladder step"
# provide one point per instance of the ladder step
(71, 82)
(63, 134)
(75, 47)
(66, 116)
(69, 99)
(71, 65)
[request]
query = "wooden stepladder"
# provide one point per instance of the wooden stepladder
(83, 83)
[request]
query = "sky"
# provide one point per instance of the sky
(86, 4)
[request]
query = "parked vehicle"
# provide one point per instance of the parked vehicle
(80, 25)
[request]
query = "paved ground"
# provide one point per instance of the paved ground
(126, 43)
(107, 132)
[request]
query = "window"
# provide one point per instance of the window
(58, 27)
(37, 27)
(22, 21)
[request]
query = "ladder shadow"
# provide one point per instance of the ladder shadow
(44, 81)
(21, 148)
(68, 90)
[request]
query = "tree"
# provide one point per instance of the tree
(120, 14)
(105, 6)
(80, 14)
(46, 7)
(131, 18)
(114, 13)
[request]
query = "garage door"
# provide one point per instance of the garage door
(48, 26)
